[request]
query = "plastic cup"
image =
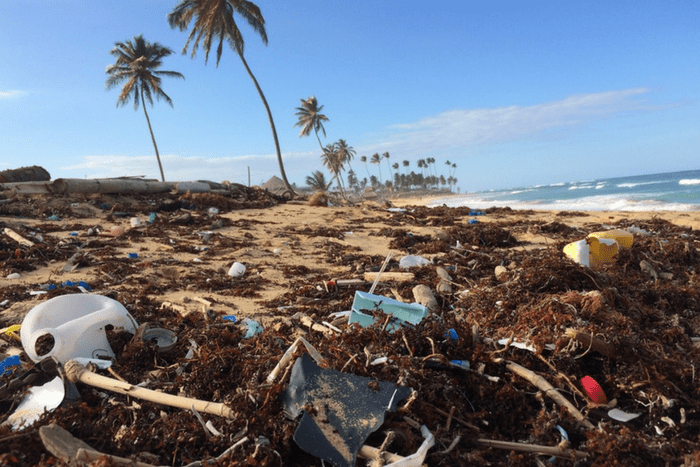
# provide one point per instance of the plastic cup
(237, 270)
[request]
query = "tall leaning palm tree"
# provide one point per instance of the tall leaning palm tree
(376, 159)
(137, 63)
(310, 118)
(214, 21)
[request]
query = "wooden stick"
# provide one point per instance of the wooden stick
(534, 448)
(88, 455)
(592, 342)
(550, 391)
(77, 372)
(17, 237)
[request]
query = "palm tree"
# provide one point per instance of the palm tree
(376, 159)
(363, 159)
(311, 118)
(386, 156)
(345, 153)
(214, 20)
(406, 164)
(332, 160)
(137, 63)
(317, 181)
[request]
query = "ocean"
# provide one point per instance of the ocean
(673, 191)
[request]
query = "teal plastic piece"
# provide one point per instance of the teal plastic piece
(404, 313)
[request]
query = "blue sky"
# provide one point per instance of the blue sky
(515, 93)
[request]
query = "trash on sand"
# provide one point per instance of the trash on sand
(237, 270)
(622, 416)
(11, 331)
(622, 237)
(289, 354)
(74, 326)
(252, 328)
(38, 400)
(593, 390)
(13, 275)
(598, 247)
(411, 313)
(346, 409)
(164, 339)
(8, 363)
(410, 261)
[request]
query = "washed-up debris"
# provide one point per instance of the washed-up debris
(70, 326)
(634, 335)
(366, 305)
(339, 410)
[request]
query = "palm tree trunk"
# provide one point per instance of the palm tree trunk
(153, 138)
(272, 125)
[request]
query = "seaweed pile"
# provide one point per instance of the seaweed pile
(535, 328)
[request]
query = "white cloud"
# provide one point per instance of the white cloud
(462, 128)
(11, 94)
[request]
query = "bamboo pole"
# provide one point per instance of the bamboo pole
(77, 372)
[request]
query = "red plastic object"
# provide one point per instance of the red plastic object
(593, 390)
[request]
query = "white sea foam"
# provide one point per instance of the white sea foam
(636, 184)
(589, 203)
(689, 181)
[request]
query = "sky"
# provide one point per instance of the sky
(515, 93)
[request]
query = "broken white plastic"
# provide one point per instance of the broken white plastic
(416, 460)
(39, 399)
(621, 416)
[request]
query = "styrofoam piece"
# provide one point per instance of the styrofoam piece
(77, 324)
(411, 313)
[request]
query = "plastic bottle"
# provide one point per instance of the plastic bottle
(77, 324)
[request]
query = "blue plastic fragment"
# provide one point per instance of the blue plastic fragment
(84, 285)
(8, 363)
(452, 334)
(473, 221)
(51, 287)
(133, 255)
(460, 363)
(231, 318)
(68, 284)
(152, 218)
(403, 313)
(55, 217)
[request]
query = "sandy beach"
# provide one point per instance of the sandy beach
(171, 267)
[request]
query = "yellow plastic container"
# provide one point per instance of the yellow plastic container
(622, 237)
(592, 251)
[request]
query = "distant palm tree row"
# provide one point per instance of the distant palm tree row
(138, 60)
(336, 155)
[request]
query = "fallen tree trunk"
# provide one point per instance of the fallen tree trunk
(25, 174)
(106, 185)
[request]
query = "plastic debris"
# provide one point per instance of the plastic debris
(8, 363)
(39, 399)
(593, 390)
(76, 323)
(237, 270)
(252, 328)
(401, 313)
(410, 261)
(622, 416)
(346, 409)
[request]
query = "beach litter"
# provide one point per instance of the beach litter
(478, 401)
(339, 410)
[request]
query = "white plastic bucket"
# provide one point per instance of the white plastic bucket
(77, 324)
